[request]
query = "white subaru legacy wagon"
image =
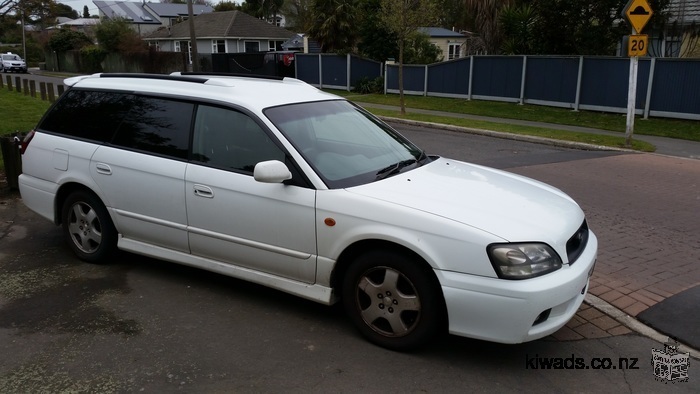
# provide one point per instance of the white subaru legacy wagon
(276, 182)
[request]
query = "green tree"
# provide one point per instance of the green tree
(402, 18)
(486, 15)
(116, 35)
(335, 25)
(577, 27)
(226, 6)
(375, 40)
(66, 40)
(65, 11)
(518, 26)
(86, 12)
(419, 50)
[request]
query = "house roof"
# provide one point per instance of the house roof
(81, 22)
(131, 11)
(440, 32)
(174, 10)
(684, 12)
(229, 24)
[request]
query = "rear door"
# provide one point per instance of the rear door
(235, 219)
(141, 172)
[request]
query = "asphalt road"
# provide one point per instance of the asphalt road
(144, 325)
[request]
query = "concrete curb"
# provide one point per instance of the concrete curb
(510, 136)
(634, 324)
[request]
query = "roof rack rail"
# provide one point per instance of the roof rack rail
(220, 74)
(154, 76)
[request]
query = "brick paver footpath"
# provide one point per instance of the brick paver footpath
(645, 210)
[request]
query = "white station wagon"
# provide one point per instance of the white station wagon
(276, 182)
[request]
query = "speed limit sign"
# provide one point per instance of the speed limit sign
(637, 45)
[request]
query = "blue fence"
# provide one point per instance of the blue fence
(665, 87)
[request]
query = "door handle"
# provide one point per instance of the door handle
(203, 191)
(103, 169)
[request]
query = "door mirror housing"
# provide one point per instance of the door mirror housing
(271, 171)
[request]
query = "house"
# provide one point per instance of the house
(169, 14)
(681, 32)
(84, 25)
(144, 17)
(221, 32)
(450, 42)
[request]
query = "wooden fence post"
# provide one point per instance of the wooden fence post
(42, 89)
(52, 93)
(9, 82)
(18, 84)
(32, 87)
(25, 85)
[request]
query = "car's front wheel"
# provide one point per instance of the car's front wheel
(88, 228)
(393, 299)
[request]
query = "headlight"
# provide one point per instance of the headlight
(523, 261)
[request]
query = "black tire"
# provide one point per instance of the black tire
(88, 228)
(393, 299)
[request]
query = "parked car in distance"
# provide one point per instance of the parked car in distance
(273, 181)
(11, 62)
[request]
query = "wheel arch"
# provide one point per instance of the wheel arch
(354, 250)
(66, 190)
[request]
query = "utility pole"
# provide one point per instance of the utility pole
(193, 37)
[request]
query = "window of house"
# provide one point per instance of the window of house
(275, 45)
(252, 46)
(182, 46)
(218, 46)
(154, 44)
(453, 51)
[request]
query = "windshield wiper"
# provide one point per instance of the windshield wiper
(394, 168)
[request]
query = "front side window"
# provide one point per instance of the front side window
(231, 140)
(157, 126)
(346, 145)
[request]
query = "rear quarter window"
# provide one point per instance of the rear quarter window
(90, 115)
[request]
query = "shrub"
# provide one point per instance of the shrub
(365, 85)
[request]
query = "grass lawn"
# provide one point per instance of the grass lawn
(19, 113)
(673, 128)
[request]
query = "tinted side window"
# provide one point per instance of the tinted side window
(157, 125)
(230, 139)
(87, 114)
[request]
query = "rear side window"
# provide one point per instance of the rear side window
(90, 115)
(157, 126)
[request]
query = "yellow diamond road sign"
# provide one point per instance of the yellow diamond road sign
(638, 13)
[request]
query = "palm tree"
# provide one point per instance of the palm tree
(335, 24)
(486, 21)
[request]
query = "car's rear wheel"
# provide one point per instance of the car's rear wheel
(88, 228)
(393, 299)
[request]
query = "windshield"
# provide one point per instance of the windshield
(10, 57)
(346, 145)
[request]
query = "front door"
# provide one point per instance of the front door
(235, 219)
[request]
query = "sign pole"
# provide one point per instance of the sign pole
(638, 13)
(631, 100)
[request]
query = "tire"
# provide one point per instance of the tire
(88, 228)
(393, 299)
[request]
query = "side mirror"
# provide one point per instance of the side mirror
(272, 171)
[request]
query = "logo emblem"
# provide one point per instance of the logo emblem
(669, 365)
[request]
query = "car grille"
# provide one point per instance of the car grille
(577, 243)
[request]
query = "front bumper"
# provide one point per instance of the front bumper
(510, 311)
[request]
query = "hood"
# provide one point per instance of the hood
(509, 206)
